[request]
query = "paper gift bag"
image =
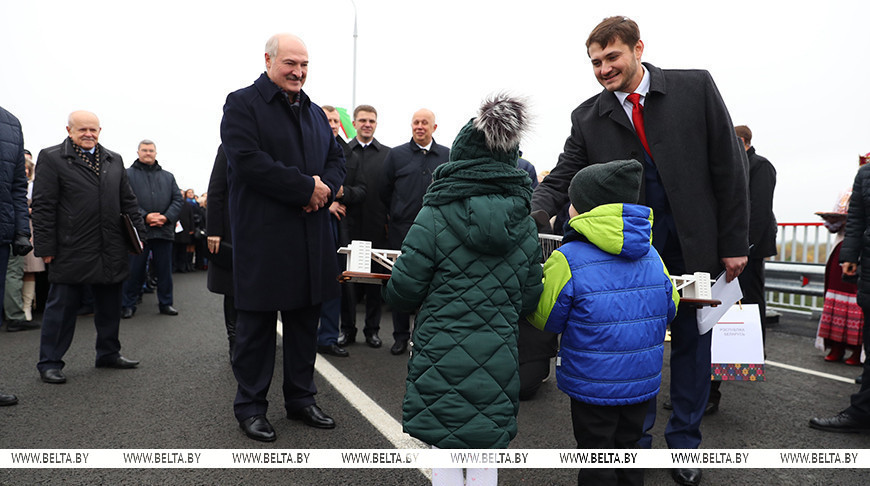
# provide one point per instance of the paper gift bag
(737, 349)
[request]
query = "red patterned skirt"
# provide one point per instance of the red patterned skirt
(842, 318)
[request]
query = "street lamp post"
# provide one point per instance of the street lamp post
(353, 96)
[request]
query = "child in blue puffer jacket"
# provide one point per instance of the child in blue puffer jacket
(607, 291)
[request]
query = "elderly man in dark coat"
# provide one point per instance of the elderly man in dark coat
(79, 194)
(408, 170)
(695, 180)
(284, 168)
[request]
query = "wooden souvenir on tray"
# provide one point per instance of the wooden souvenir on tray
(360, 255)
(695, 289)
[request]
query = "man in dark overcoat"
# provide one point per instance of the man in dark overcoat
(855, 251)
(79, 194)
(408, 172)
(331, 310)
(220, 268)
(160, 205)
(762, 222)
(366, 219)
(283, 169)
(695, 180)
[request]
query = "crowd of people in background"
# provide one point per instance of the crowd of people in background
(26, 282)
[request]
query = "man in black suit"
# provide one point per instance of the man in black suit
(855, 250)
(694, 180)
(331, 310)
(762, 222)
(408, 172)
(284, 168)
(366, 219)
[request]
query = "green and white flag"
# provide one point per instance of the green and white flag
(346, 123)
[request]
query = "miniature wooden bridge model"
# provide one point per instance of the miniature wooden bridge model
(360, 255)
(695, 289)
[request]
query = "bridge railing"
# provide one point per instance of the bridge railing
(795, 277)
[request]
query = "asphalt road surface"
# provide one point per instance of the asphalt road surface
(181, 396)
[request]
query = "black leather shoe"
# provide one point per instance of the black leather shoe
(711, 408)
(120, 363)
(333, 350)
(127, 312)
(21, 325)
(399, 347)
(686, 476)
(258, 428)
(860, 379)
(53, 375)
(668, 405)
(313, 417)
(840, 423)
(346, 339)
(7, 399)
(168, 310)
(373, 341)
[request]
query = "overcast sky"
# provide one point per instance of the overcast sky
(162, 69)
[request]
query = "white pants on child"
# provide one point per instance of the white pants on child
(454, 477)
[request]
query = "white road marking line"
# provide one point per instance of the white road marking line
(368, 408)
(809, 372)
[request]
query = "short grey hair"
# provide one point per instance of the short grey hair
(272, 43)
(272, 46)
(146, 142)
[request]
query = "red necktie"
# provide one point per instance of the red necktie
(637, 119)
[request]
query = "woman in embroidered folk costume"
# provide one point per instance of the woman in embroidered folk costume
(842, 320)
(471, 265)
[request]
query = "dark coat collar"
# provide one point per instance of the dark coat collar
(137, 164)
(355, 142)
(269, 90)
(67, 150)
(434, 148)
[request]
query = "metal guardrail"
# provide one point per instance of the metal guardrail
(798, 245)
(795, 278)
(549, 243)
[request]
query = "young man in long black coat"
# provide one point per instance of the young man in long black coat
(694, 180)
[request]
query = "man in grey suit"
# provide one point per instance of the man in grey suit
(695, 180)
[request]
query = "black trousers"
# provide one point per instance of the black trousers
(752, 284)
(401, 326)
(604, 427)
(532, 374)
(59, 322)
(254, 358)
(860, 402)
(374, 302)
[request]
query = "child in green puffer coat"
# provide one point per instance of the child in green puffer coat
(471, 264)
